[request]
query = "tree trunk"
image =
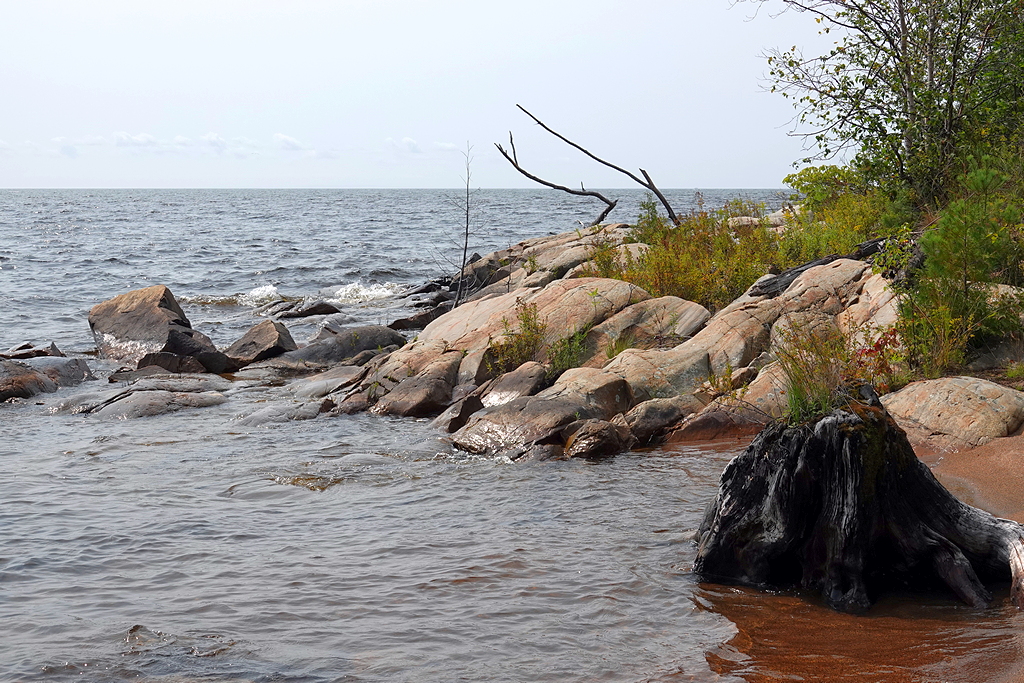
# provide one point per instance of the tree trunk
(845, 507)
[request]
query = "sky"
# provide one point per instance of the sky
(389, 93)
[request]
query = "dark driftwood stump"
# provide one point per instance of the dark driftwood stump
(845, 507)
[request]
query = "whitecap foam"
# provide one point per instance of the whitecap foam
(356, 292)
(260, 295)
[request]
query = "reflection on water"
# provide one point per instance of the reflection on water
(913, 639)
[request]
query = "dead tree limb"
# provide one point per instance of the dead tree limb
(582, 192)
(646, 182)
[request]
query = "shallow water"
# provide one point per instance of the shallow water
(189, 547)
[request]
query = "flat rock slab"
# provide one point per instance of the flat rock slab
(344, 345)
(65, 372)
(319, 385)
(149, 403)
(564, 307)
(956, 412)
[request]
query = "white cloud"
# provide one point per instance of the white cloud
(4, 147)
(447, 146)
(91, 141)
(288, 142)
(69, 151)
(122, 139)
(405, 145)
(216, 141)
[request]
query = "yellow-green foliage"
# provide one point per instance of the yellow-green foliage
(702, 260)
(517, 346)
(840, 209)
(525, 342)
(820, 363)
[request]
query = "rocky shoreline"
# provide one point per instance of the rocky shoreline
(648, 370)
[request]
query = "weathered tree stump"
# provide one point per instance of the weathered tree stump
(845, 507)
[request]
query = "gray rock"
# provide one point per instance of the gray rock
(18, 380)
(598, 438)
(185, 341)
(286, 413)
(133, 324)
(318, 386)
(149, 403)
(26, 350)
(65, 372)
(345, 345)
(264, 340)
(315, 308)
(427, 393)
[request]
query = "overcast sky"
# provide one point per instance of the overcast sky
(386, 93)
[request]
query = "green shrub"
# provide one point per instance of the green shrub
(567, 352)
(820, 365)
(517, 346)
(952, 305)
(702, 260)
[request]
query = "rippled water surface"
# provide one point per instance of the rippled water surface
(188, 547)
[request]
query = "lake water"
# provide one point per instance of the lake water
(188, 547)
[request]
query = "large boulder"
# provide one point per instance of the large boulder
(264, 340)
(18, 380)
(739, 333)
(513, 428)
(427, 393)
(136, 323)
(644, 325)
(956, 412)
(564, 307)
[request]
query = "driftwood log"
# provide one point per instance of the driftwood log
(844, 506)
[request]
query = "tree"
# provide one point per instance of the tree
(908, 85)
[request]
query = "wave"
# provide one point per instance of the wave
(356, 292)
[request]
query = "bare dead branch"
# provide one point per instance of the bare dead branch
(646, 182)
(582, 192)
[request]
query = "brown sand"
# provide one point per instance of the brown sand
(990, 477)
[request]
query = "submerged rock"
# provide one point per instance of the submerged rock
(18, 380)
(148, 396)
(65, 372)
